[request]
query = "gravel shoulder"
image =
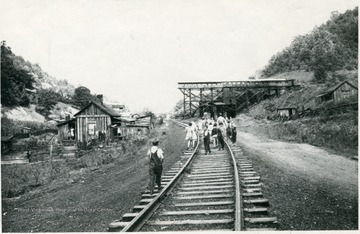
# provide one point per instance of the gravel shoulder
(308, 187)
(98, 199)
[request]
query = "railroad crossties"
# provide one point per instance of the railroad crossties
(219, 191)
(228, 97)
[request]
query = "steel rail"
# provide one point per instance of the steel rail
(239, 222)
(138, 221)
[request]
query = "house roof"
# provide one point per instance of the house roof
(332, 89)
(125, 119)
(65, 122)
(106, 109)
(286, 108)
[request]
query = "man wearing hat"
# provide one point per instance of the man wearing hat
(156, 158)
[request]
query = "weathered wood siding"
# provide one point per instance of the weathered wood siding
(63, 132)
(92, 116)
(344, 91)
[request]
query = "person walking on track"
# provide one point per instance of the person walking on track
(221, 121)
(214, 135)
(221, 131)
(189, 135)
(233, 132)
(207, 140)
(156, 158)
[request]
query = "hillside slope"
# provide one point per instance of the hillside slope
(327, 48)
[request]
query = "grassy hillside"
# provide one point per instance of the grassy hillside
(338, 132)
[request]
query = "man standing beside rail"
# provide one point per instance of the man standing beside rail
(156, 158)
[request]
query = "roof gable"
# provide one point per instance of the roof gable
(105, 109)
(334, 88)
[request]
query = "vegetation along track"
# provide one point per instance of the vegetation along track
(203, 192)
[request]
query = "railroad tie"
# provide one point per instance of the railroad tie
(145, 201)
(252, 190)
(208, 171)
(148, 195)
(204, 197)
(129, 216)
(206, 187)
(208, 183)
(190, 222)
(251, 178)
(198, 212)
(217, 203)
(205, 192)
(261, 201)
(244, 161)
(247, 172)
(260, 229)
(250, 181)
(252, 194)
(256, 210)
(246, 169)
(246, 175)
(251, 185)
(209, 174)
(138, 208)
(261, 220)
(118, 224)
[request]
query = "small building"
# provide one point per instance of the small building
(66, 130)
(339, 92)
(94, 121)
(287, 112)
(26, 130)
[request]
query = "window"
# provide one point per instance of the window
(91, 128)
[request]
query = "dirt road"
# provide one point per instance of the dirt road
(308, 188)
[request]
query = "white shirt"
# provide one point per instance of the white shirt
(222, 120)
(153, 149)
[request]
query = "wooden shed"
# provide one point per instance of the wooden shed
(338, 93)
(287, 112)
(94, 121)
(67, 130)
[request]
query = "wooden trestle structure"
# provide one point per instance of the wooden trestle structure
(228, 97)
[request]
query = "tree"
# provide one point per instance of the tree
(14, 79)
(82, 96)
(47, 98)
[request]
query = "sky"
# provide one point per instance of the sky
(136, 51)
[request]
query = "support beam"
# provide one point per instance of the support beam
(200, 96)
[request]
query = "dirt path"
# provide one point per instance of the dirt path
(98, 199)
(308, 188)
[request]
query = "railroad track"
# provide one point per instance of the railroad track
(203, 192)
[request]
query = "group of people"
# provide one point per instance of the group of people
(212, 132)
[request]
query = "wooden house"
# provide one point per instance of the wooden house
(287, 112)
(94, 121)
(101, 122)
(339, 92)
(135, 125)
